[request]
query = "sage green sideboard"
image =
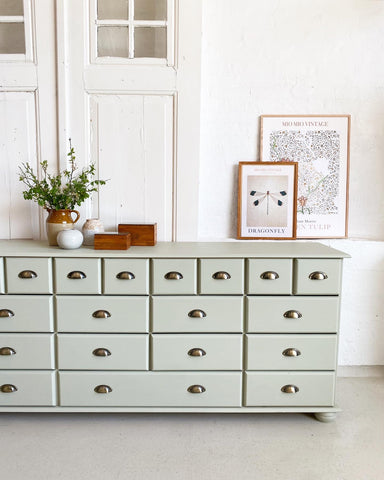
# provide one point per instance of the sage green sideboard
(241, 327)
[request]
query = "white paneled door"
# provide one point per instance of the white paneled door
(121, 78)
(27, 107)
(128, 70)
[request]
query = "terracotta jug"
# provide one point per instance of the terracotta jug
(59, 220)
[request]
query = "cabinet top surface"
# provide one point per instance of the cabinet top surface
(261, 249)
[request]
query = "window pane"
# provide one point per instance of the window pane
(151, 42)
(150, 9)
(12, 38)
(112, 42)
(11, 7)
(112, 9)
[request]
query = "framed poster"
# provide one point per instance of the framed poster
(267, 200)
(320, 146)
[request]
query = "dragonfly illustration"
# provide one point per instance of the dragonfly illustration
(267, 195)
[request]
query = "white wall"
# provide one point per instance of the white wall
(300, 56)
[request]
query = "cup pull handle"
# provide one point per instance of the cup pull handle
(221, 276)
(292, 314)
(197, 352)
(103, 389)
(5, 313)
(8, 388)
(76, 275)
(197, 314)
(173, 276)
(26, 274)
(318, 276)
(7, 351)
(269, 276)
(289, 389)
(125, 276)
(101, 352)
(291, 352)
(101, 314)
(196, 389)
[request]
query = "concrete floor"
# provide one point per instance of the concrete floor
(206, 447)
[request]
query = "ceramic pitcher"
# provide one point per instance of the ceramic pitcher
(58, 220)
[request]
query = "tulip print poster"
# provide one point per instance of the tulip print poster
(320, 146)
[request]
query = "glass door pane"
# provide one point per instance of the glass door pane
(11, 7)
(12, 38)
(112, 9)
(113, 42)
(151, 42)
(150, 9)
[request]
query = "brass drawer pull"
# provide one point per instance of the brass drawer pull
(7, 351)
(8, 388)
(103, 389)
(292, 314)
(318, 276)
(76, 275)
(5, 313)
(101, 314)
(125, 276)
(269, 276)
(101, 352)
(291, 352)
(197, 314)
(289, 389)
(196, 389)
(25, 274)
(173, 276)
(221, 276)
(197, 352)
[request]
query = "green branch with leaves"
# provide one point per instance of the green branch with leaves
(63, 191)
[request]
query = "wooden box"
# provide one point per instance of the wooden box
(141, 234)
(112, 241)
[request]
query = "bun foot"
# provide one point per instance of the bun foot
(325, 417)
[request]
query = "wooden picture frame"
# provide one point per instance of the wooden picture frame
(320, 144)
(267, 201)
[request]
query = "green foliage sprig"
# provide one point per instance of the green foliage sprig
(62, 191)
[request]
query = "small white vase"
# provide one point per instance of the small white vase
(69, 239)
(90, 227)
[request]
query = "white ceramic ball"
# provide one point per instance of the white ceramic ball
(69, 239)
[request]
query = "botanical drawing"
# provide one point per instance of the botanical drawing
(318, 155)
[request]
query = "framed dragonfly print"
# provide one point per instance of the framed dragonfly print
(320, 146)
(267, 200)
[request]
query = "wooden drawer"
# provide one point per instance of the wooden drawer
(197, 314)
(26, 351)
(269, 276)
(126, 276)
(291, 352)
(153, 389)
(28, 275)
(2, 288)
(26, 313)
(221, 276)
(21, 388)
(292, 314)
(78, 276)
(197, 352)
(174, 276)
(314, 389)
(102, 314)
(102, 352)
(317, 276)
